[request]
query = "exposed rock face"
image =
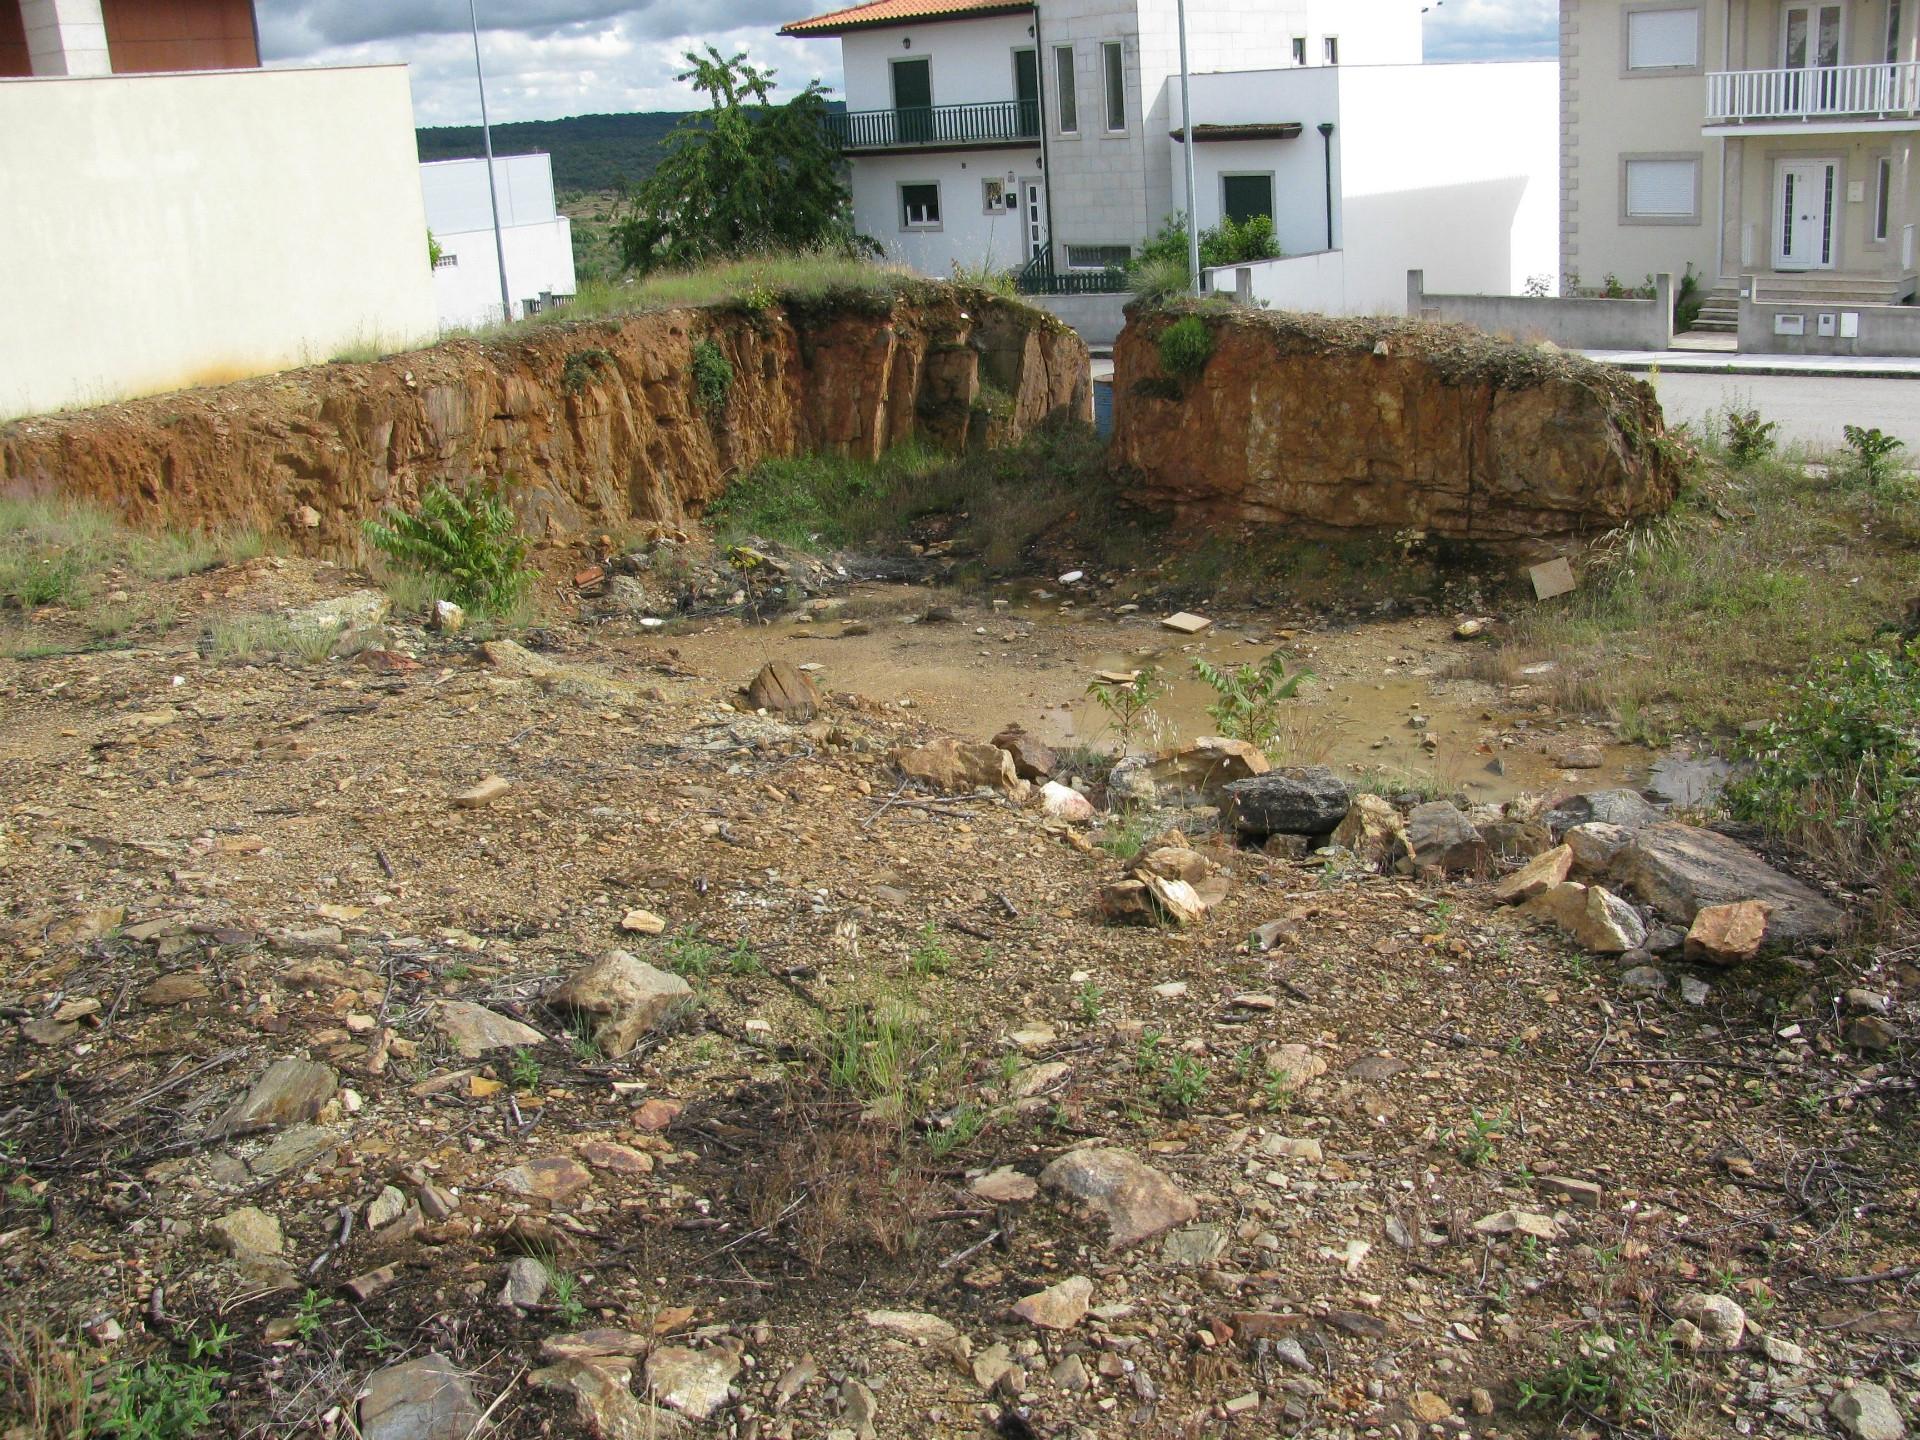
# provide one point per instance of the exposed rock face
(1388, 425)
(619, 438)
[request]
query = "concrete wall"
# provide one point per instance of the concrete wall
(457, 198)
(1096, 319)
(1883, 329)
(1570, 324)
(466, 282)
(190, 229)
(1315, 283)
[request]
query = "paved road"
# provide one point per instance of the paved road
(1810, 409)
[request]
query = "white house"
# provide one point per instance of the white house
(536, 238)
(1041, 136)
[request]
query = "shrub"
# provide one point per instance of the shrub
(580, 368)
(1158, 279)
(1185, 347)
(712, 374)
(1687, 300)
(1129, 703)
(1873, 454)
(1250, 697)
(1749, 438)
(160, 1400)
(469, 542)
(984, 277)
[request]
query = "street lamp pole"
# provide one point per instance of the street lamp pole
(493, 189)
(1186, 125)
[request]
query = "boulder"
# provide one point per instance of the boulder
(1593, 917)
(1200, 772)
(424, 1399)
(1293, 800)
(955, 767)
(1680, 871)
(1135, 1200)
(1439, 837)
(1867, 1412)
(1515, 839)
(1727, 934)
(1722, 1323)
(784, 691)
(1595, 844)
(1063, 802)
(1626, 808)
(1131, 782)
(1536, 878)
(1032, 759)
(1373, 831)
(623, 998)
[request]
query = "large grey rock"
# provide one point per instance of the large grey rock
(1440, 837)
(622, 998)
(1867, 1412)
(1137, 1201)
(474, 1029)
(1680, 870)
(1626, 808)
(424, 1399)
(1294, 800)
(291, 1090)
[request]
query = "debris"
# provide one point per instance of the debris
(485, 793)
(1186, 623)
(475, 1030)
(1059, 1307)
(1552, 579)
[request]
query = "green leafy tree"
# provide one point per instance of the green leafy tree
(745, 175)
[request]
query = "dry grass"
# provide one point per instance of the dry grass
(44, 1388)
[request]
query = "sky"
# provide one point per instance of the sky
(551, 58)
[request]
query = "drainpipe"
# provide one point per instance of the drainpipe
(1040, 58)
(1326, 135)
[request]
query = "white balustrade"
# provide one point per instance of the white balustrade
(1819, 93)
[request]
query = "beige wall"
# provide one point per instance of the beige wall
(165, 231)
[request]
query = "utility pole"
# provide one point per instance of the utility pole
(1186, 124)
(493, 190)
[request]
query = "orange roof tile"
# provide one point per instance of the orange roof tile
(898, 12)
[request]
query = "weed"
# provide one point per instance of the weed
(1614, 1372)
(459, 970)
(159, 1400)
(580, 1039)
(1092, 1000)
(1276, 1090)
(1748, 437)
(1184, 1083)
(1479, 1142)
(741, 959)
(43, 1386)
(1184, 347)
(1250, 697)
(1147, 1059)
(712, 375)
(564, 1290)
(964, 1128)
(523, 1071)
(690, 956)
(1128, 703)
(1873, 453)
(1124, 838)
(469, 542)
(887, 1058)
(311, 1318)
(930, 956)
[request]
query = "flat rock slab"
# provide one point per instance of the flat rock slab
(1626, 808)
(1294, 800)
(474, 1029)
(175, 990)
(550, 1177)
(1058, 1307)
(249, 1231)
(1680, 871)
(1137, 1201)
(1006, 1186)
(623, 998)
(290, 1091)
(295, 1149)
(424, 1399)
(1537, 877)
(694, 1382)
(1186, 623)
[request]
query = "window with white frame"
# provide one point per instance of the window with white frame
(920, 205)
(1663, 39)
(1066, 93)
(1883, 198)
(1115, 70)
(1331, 48)
(1662, 189)
(1098, 257)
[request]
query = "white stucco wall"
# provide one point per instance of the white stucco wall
(970, 61)
(967, 234)
(466, 282)
(457, 198)
(190, 229)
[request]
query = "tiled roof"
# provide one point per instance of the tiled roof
(898, 12)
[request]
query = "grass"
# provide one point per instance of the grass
(57, 551)
(268, 637)
(1616, 1373)
(43, 1384)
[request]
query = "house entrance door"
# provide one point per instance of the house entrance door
(1804, 214)
(1033, 214)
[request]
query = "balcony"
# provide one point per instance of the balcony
(934, 127)
(1844, 93)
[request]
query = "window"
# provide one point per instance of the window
(1883, 198)
(1116, 72)
(997, 197)
(1663, 39)
(1333, 49)
(1026, 90)
(1098, 257)
(1299, 49)
(1662, 189)
(920, 206)
(1068, 97)
(1244, 196)
(1893, 32)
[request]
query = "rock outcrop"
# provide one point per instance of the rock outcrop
(593, 425)
(1387, 425)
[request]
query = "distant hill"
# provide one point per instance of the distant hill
(590, 152)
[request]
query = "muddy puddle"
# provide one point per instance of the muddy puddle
(1384, 702)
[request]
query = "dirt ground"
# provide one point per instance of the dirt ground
(210, 865)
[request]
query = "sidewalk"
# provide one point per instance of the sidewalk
(1706, 362)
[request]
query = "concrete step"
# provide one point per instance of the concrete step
(1717, 327)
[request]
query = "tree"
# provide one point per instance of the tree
(744, 175)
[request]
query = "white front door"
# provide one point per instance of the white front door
(1804, 214)
(1033, 216)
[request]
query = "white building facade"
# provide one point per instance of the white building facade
(536, 237)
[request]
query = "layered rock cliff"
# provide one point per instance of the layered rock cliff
(595, 424)
(1381, 424)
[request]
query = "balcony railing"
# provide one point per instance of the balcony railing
(996, 121)
(1835, 92)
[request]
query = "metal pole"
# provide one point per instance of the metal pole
(1186, 125)
(493, 190)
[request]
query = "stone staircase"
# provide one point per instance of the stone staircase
(1719, 312)
(1720, 307)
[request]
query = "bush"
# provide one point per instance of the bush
(1160, 270)
(470, 543)
(1749, 438)
(1873, 454)
(1185, 347)
(1250, 698)
(712, 374)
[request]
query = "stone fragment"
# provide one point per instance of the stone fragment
(1200, 772)
(424, 1399)
(1440, 837)
(294, 1149)
(1680, 870)
(1581, 757)
(1186, 623)
(1175, 901)
(1867, 1412)
(615, 1158)
(362, 1288)
(1293, 800)
(1727, 934)
(655, 1115)
(249, 1231)
(1295, 1065)
(1373, 832)
(1552, 579)
(623, 998)
(694, 1382)
(605, 1405)
(1594, 845)
(1518, 1222)
(1721, 1321)
(1137, 1201)
(859, 1407)
(475, 797)
(291, 1090)
(954, 767)
(1032, 759)
(1782, 1351)
(1063, 802)
(1195, 1245)
(1130, 782)
(1625, 808)
(526, 1283)
(1536, 877)
(1071, 1375)
(1058, 1307)
(782, 690)
(1583, 1193)
(174, 990)
(1283, 1147)
(448, 617)
(1872, 1032)
(914, 1325)
(1644, 980)
(475, 1030)
(1005, 1186)
(1609, 925)
(549, 1177)
(386, 1207)
(642, 922)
